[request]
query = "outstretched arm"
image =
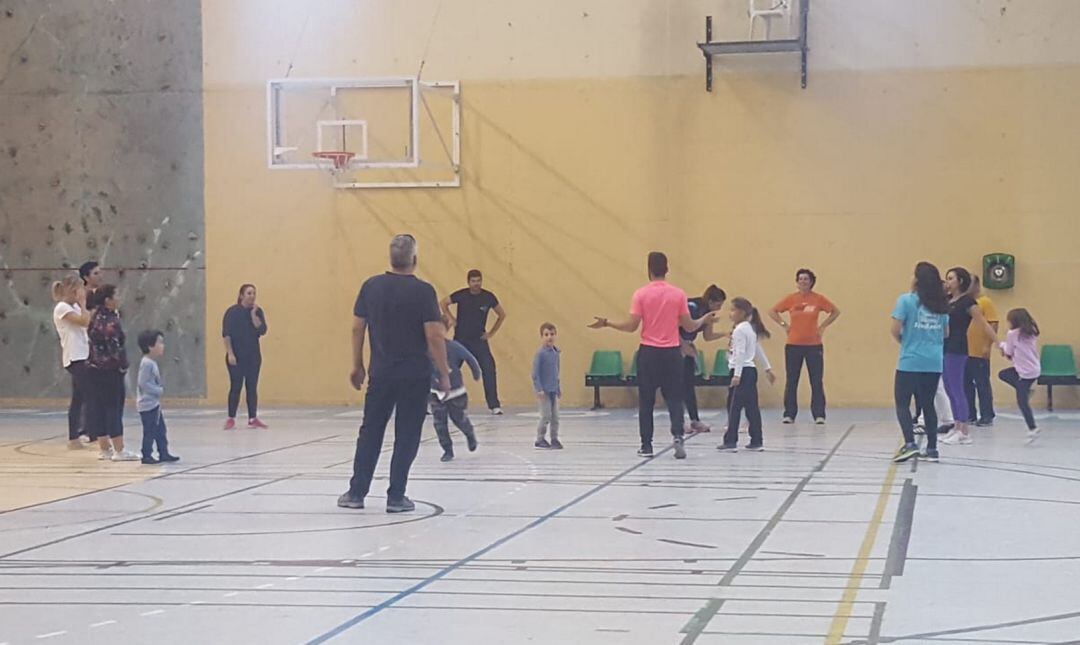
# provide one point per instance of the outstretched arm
(629, 326)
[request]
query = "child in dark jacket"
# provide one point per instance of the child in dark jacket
(455, 403)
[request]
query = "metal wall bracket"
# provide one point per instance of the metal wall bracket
(710, 48)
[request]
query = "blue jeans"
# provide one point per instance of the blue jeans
(153, 431)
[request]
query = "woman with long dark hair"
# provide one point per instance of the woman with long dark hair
(242, 327)
(107, 366)
(1021, 347)
(920, 324)
(962, 311)
(745, 351)
(710, 301)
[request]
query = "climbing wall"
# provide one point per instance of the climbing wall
(101, 158)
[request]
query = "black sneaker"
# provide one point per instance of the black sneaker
(556, 445)
(541, 443)
(919, 430)
(645, 451)
(348, 501)
(754, 447)
(725, 447)
(680, 451)
(984, 423)
(447, 456)
(403, 505)
(470, 439)
(149, 461)
(942, 429)
(930, 455)
(906, 452)
(168, 458)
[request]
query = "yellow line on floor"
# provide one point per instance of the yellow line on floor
(851, 592)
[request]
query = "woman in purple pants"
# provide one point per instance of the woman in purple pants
(962, 311)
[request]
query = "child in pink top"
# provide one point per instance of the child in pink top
(1021, 348)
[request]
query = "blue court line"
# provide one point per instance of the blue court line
(359, 618)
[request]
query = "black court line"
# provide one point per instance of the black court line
(700, 620)
(681, 543)
(184, 512)
(973, 630)
(901, 535)
(394, 600)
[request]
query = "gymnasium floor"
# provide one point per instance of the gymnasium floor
(820, 539)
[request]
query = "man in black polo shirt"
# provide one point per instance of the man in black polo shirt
(473, 305)
(401, 314)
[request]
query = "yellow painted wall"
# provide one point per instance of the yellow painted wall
(892, 155)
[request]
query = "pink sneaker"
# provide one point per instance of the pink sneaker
(256, 423)
(230, 424)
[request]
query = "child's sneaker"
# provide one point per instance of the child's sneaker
(125, 455)
(541, 443)
(105, 455)
(168, 459)
(754, 447)
(930, 455)
(645, 451)
(150, 461)
(556, 445)
(680, 450)
(965, 439)
(230, 424)
(787, 421)
(907, 451)
(497, 411)
(951, 439)
(256, 423)
(1032, 435)
(470, 439)
(725, 447)
(447, 455)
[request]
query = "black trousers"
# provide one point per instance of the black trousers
(977, 382)
(659, 367)
(153, 432)
(77, 408)
(105, 403)
(244, 375)
(922, 386)
(456, 410)
(482, 351)
(409, 398)
(689, 381)
(744, 399)
(1023, 393)
(814, 356)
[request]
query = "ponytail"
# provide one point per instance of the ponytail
(757, 324)
(61, 288)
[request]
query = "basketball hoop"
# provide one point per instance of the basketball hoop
(336, 161)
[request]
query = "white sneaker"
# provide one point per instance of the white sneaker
(1032, 435)
(966, 440)
(126, 455)
(105, 455)
(951, 439)
(497, 411)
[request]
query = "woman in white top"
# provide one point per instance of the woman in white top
(744, 396)
(71, 318)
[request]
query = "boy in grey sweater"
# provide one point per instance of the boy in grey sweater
(148, 403)
(545, 376)
(454, 407)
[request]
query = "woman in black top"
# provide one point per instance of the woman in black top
(243, 325)
(962, 310)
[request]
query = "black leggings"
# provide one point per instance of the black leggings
(105, 403)
(689, 380)
(744, 398)
(1023, 393)
(245, 374)
(922, 386)
(77, 408)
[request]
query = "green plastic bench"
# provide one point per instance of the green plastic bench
(1058, 365)
(606, 369)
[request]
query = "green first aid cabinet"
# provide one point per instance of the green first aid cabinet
(999, 271)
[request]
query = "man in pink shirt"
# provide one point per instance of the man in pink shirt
(659, 309)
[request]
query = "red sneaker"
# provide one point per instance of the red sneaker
(230, 424)
(256, 423)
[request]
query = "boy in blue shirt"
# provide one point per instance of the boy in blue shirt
(148, 403)
(454, 404)
(545, 377)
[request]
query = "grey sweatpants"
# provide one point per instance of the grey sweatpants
(549, 416)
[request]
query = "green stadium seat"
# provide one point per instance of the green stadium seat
(1058, 365)
(720, 368)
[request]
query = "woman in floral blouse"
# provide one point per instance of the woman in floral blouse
(108, 364)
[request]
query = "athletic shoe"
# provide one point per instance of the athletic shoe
(75, 444)
(680, 451)
(403, 505)
(946, 427)
(727, 448)
(698, 426)
(754, 447)
(966, 440)
(952, 439)
(820, 421)
(921, 430)
(930, 455)
(447, 456)
(126, 455)
(105, 455)
(168, 459)
(470, 439)
(907, 452)
(1032, 435)
(348, 501)
(541, 443)
(149, 461)
(984, 423)
(645, 451)
(556, 445)
(256, 423)
(497, 411)
(230, 424)
(787, 421)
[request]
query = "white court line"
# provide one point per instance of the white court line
(371, 553)
(351, 414)
(103, 623)
(197, 602)
(265, 586)
(321, 569)
(231, 594)
(51, 634)
(153, 612)
(291, 578)
(383, 548)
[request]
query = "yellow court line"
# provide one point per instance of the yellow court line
(847, 601)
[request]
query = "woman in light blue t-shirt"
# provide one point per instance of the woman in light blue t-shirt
(920, 323)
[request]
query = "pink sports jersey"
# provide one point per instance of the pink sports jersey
(660, 305)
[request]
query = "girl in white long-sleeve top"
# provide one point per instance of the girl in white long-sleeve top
(744, 395)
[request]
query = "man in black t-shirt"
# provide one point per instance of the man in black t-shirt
(401, 314)
(470, 329)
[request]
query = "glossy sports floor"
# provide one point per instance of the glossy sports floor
(819, 539)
